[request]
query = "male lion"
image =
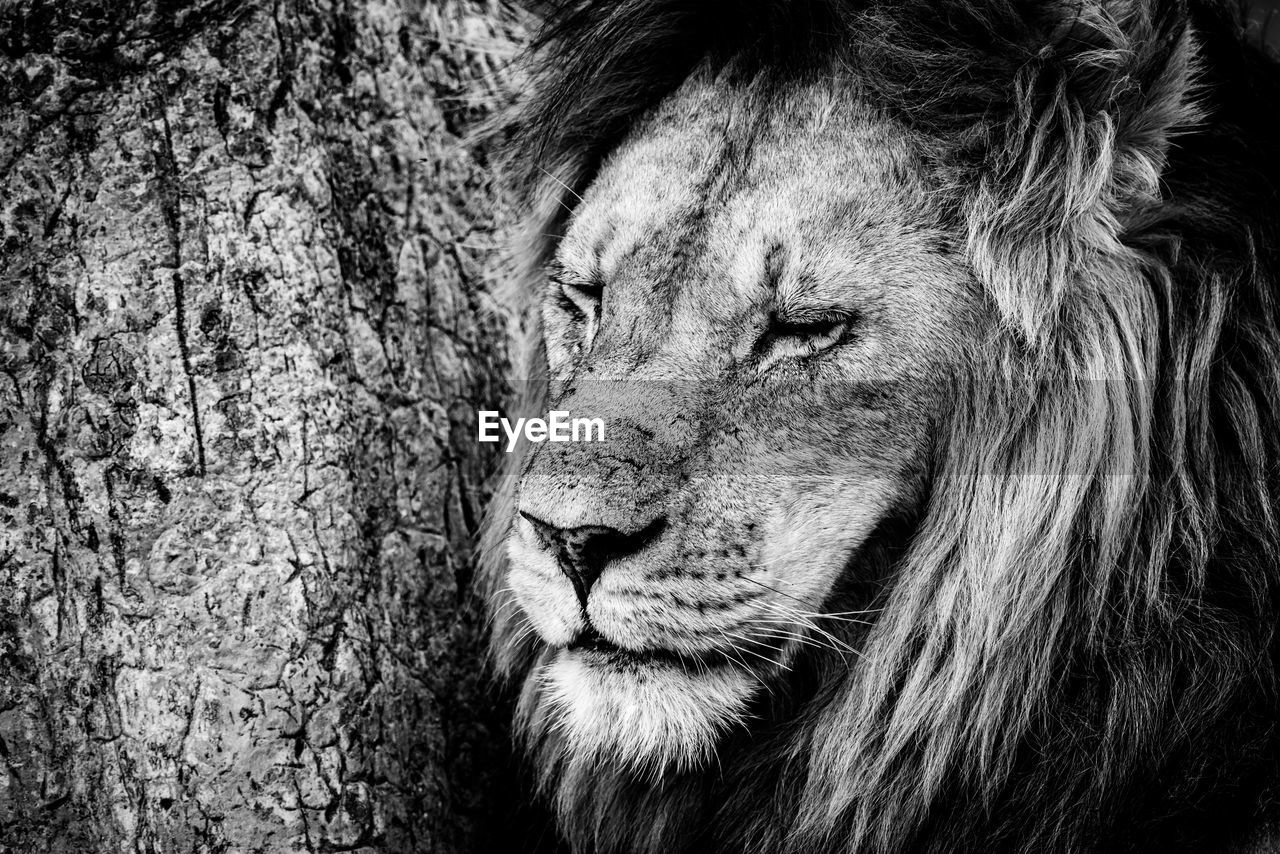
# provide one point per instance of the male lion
(938, 347)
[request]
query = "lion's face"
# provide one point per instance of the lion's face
(760, 306)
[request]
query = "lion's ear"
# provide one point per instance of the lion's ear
(1078, 159)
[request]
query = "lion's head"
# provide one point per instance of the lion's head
(936, 506)
(760, 303)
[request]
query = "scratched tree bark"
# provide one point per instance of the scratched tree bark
(246, 318)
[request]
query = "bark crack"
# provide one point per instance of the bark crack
(171, 207)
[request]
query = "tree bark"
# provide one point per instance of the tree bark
(246, 319)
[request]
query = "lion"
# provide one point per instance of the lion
(938, 344)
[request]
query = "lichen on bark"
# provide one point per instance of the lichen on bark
(247, 266)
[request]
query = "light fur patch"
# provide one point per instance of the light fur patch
(545, 595)
(645, 717)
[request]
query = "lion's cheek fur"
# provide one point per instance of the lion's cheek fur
(818, 528)
(545, 595)
(647, 718)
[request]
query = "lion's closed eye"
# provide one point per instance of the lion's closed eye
(580, 297)
(804, 333)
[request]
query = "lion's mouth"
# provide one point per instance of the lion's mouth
(595, 648)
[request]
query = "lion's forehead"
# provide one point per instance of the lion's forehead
(720, 179)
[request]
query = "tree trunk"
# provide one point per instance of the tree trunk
(246, 319)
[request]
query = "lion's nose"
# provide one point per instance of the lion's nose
(584, 552)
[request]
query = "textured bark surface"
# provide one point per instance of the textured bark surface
(246, 269)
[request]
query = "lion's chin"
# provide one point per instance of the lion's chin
(650, 716)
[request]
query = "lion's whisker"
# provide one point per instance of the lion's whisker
(501, 610)
(825, 641)
(736, 655)
(820, 616)
(525, 632)
(801, 615)
(797, 638)
(808, 624)
(776, 590)
(562, 184)
(771, 662)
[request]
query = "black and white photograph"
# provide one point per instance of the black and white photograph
(640, 426)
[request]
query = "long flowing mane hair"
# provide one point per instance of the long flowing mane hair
(1078, 648)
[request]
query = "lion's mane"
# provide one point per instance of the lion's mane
(1078, 649)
